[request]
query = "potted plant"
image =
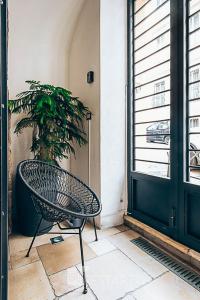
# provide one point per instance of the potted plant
(57, 121)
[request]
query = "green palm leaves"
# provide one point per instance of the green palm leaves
(56, 117)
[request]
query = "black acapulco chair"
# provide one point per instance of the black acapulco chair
(59, 196)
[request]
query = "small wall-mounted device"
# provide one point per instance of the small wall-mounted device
(90, 77)
(89, 116)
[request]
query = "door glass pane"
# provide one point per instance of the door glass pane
(151, 153)
(161, 41)
(151, 168)
(162, 97)
(193, 111)
(152, 34)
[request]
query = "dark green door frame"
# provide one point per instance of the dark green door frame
(4, 158)
(175, 199)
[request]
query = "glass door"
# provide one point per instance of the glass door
(164, 116)
(190, 192)
(151, 185)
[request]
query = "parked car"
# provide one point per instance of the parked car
(159, 132)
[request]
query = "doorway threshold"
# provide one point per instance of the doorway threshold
(177, 249)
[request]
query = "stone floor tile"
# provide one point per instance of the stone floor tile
(58, 257)
(167, 287)
(102, 247)
(112, 275)
(19, 259)
(66, 281)
(19, 242)
(122, 227)
(29, 283)
(88, 233)
(78, 295)
(146, 262)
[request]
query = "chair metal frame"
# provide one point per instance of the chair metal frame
(80, 230)
(66, 230)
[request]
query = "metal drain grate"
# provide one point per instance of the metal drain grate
(170, 263)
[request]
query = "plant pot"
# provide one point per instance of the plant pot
(27, 216)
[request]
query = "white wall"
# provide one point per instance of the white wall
(112, 106)
(40, 33)
(84, 57)
(101, 35)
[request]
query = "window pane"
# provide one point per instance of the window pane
(194, 22)
(153, 101)
(194, 6)
(156, 114)
(194, 39)
(153, 141)
(194, 109)
(154, 169)
(194, 57)
(160, 42)
(194, 139)
(153, 60)
(194, 90)
(149, 89)
(152, 88)
(153, 74)
(139, 4)
(154, 18)
(194, 74)
(154, 128)
(149, 8)
(152, 33)
(152, 155)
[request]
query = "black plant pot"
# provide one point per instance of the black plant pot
(27, 216)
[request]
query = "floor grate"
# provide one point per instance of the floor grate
(170, 263)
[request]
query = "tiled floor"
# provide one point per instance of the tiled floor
(115, 269)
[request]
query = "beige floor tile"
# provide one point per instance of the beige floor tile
(112, 275)
(78, 295)
(29, 283)
(19, 259)
(66, 281)
(88, 233)
(64, 255)
(20, 242)
(122, 227)
(102, 247)
(167, 287)
(146, 262)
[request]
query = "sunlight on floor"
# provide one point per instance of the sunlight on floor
(115, 269)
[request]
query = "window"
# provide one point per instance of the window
(151, 154)
(194, 75)
(160, 41)
(194, 90)
(193, 101)
(194, 21)
(159, 98)
(159, 2)
(194, 123)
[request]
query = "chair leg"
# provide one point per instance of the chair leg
(82, 261)
(36, 232)
(95, 230)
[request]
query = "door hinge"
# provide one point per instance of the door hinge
(172, 219)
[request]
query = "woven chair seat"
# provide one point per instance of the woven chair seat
(57, 194)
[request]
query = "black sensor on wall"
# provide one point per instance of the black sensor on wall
(90, 77)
